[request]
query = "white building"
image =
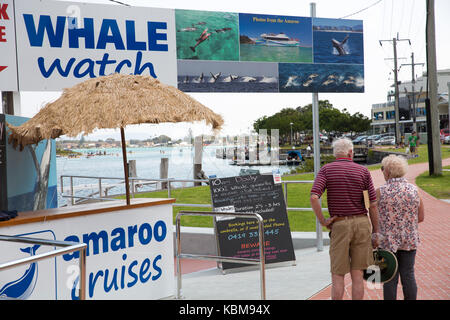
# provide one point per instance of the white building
(383, 114)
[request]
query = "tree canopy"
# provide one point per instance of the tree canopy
(331, 120)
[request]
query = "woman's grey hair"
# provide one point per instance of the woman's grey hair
(396, 166)
(342, 146)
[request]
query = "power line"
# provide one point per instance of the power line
(349, 15)
(122, 3)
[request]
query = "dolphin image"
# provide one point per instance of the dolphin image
(201, 79)
(222, 30)
(215, 77)
(340, 45)
(269, 80)
(313, 75)
(307, 82)
(248, 79)
(188, 29)
(327, 82)
(186, 79)
(230, 78)
(292, 82)
(24, 286)
(202, 38)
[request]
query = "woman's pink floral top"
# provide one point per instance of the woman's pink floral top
(398, 215)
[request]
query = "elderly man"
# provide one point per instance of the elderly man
(350, 236)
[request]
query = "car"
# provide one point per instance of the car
(445, 132)
(447, 140)
(373, 137)
(323, 138)
(359, 140)
(386, 140)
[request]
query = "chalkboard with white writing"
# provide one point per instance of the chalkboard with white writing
(238, 237)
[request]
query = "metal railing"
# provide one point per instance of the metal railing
(261, 261)
(67, 248)
(134, 181)
(169, 189)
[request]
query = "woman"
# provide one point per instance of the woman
(400, 211)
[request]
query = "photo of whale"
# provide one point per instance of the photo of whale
(207, 35)
(338, 41)
(275, 38)
(296, 77)
(227, 76)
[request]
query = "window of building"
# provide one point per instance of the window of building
(390, 114)
(421, 112)
(378, 115)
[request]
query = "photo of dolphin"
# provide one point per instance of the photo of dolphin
(23, 287)
(220, 29)
(214, 77)
(202, 38)
(328, 78)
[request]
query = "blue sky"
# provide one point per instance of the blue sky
(301, 31)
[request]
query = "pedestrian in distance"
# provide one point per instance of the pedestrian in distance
(413, 141)
(351, 241)
(400, 211)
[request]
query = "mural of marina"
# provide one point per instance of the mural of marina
(275, 38)
(215, 76)
(296, 77)
(206, 35)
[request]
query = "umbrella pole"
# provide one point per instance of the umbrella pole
(125, 164)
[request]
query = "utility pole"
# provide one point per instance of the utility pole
(413, 93)
(316, 139)
(434, 146)
(396, 107)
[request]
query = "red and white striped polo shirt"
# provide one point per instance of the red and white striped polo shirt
(344, 181)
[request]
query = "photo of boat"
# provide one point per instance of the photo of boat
(278, 40)
(270, 38)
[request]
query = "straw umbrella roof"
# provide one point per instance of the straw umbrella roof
(112, 101)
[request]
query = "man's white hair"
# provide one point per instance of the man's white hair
(341, 147)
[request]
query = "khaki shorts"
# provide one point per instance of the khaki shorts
(351, 245)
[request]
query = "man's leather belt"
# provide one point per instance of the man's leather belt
(350, 217)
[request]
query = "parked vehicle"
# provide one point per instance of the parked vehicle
(360, 140)
(387, 140)
(447, 140)
(373, 137)
(445, 132)
(323, 138)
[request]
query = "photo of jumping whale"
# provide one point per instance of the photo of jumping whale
(338, 41)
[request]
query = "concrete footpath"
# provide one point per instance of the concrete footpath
(310, 278)
(294, 282)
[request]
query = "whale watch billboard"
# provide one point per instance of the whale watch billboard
(59, 44)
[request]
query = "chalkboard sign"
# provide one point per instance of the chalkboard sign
(238, 237)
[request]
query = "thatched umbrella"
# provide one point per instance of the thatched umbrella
(113, 101)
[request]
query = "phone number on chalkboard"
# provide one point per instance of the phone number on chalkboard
(252, 234)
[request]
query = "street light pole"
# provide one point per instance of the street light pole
(291, 132)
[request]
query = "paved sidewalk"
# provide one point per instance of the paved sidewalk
(309, 275)
(432, 260)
